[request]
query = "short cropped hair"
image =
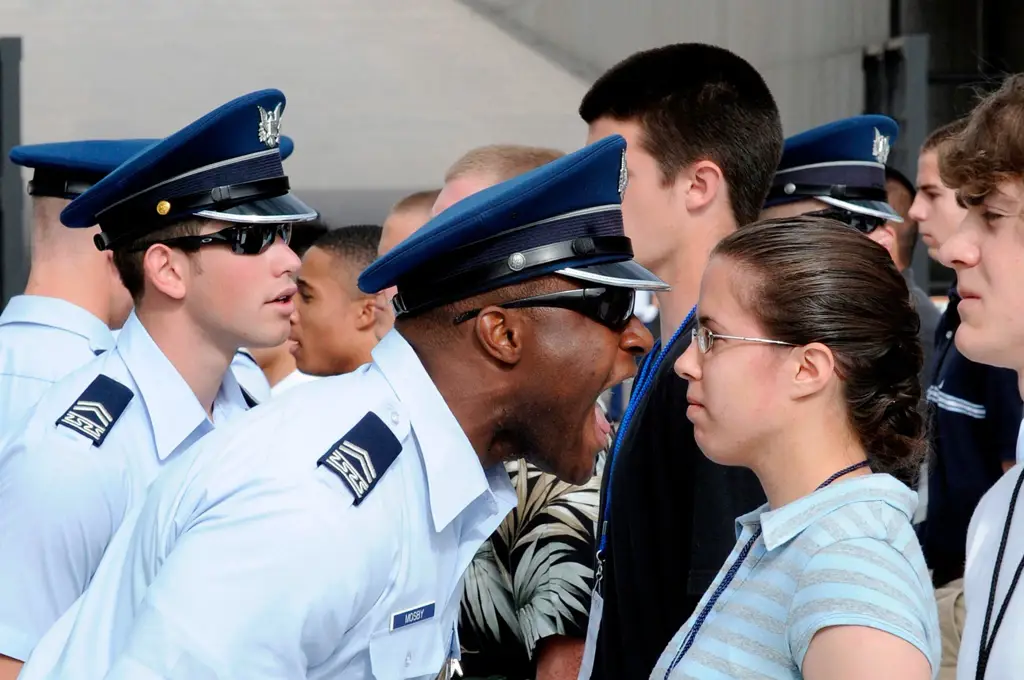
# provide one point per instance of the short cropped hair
(504, 161)
(990, 149)
(420, 200)
(357, 244)
(305, 234)
(697, 102)
(128, 258)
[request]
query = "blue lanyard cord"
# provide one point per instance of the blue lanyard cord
(691, 635)
(729, 576)
(644, 379)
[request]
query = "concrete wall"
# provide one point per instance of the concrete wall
(382, 94)
(809, 51)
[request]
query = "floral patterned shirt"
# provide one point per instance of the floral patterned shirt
(533, 578)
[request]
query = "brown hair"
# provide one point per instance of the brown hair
(940, 137)
(128, 257)
(990, 149)
(502, 161)
(420, 200)
(697, 102)
(818, 280)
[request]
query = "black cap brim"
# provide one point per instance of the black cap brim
(624, 274)
(284, 208)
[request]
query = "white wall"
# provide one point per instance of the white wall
(809, 51)
(385, 94)
(381, 93)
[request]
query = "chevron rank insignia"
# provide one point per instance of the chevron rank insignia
(96, 411)
(363, 455)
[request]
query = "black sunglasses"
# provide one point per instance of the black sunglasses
(865, 224)
(244, 239)
(611, 306)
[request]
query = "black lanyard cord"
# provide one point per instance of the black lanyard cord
(987, 641)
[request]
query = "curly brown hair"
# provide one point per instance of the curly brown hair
(990, 149)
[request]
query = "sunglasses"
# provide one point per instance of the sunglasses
(608, 306)
(705, 338)
(865, 224)
(244, 239)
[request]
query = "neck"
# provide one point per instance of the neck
(477, 409)
(683, 273)
(363, 353)
(280, 366)
(197, 358)
(794, 466)
(88, 288)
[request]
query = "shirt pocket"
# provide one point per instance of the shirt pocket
(415, 651)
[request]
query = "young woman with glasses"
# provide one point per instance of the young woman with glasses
(803, 368)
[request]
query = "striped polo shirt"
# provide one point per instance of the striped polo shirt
(844, 555)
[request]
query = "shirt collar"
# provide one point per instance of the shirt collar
(174, 411)
(786, 523)
(60, 314)
(1020, 443)
(455, 477)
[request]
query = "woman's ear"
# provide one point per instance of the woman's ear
(813, 369)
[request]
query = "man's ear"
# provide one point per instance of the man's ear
(166, 270)
(885, 236)
(501, 332)
(705, 181)
(366, 313)
(813, 369)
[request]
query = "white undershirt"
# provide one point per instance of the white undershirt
(1007, 659)
(294, 378)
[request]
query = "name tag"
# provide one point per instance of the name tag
(411, 616)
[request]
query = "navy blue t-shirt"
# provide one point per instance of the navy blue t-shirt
(975, 413)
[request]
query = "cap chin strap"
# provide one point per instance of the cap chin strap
(431, 286)
(142, 209)
(838, 191)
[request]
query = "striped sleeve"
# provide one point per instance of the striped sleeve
(860, 582)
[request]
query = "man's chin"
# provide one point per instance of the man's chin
(975, 342)
(565, 471)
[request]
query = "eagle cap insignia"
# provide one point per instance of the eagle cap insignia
(270, 125)
(623, 176)
(880, 147)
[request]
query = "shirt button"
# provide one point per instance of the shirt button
(949, 334)
(395, 418)
(408, 659)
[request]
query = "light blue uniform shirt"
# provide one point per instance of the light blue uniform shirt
(42, 339)
(250, 376)
(845, 555)
(250, 560)
(62, 496)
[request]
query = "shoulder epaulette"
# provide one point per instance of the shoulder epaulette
(363, 455)
(97, 409)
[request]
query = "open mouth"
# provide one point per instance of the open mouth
(285, 297)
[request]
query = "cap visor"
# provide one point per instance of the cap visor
(626, 274)
(879, 209)
(286, 208)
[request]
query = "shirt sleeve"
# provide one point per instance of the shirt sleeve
(552, 555)
(862, 582)
(247, 594)
(1003, 406)
(57, 515)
